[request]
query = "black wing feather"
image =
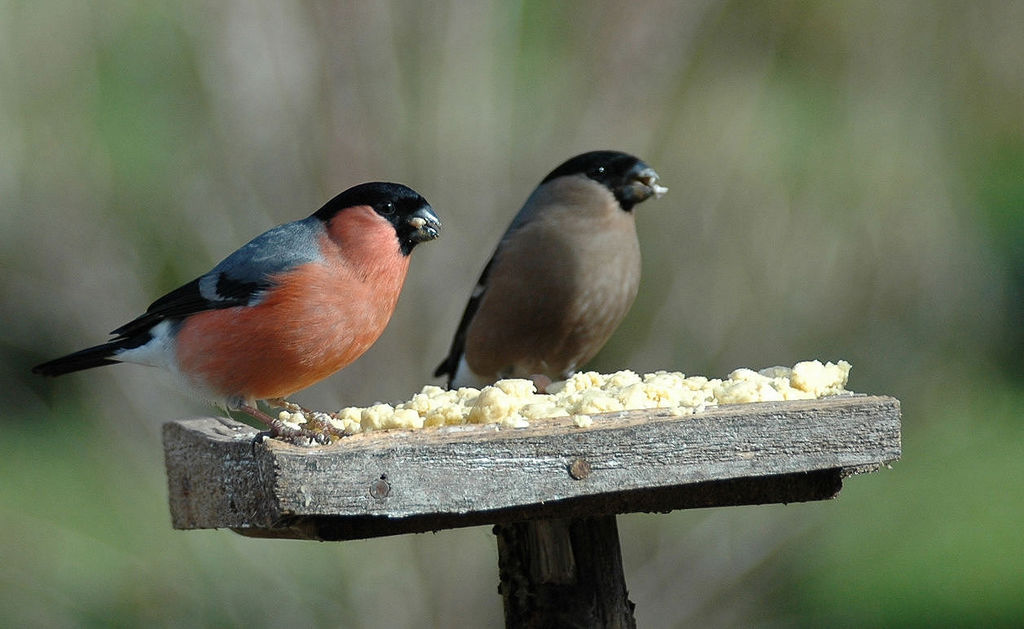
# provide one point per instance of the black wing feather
(188, 299)
(451, 362)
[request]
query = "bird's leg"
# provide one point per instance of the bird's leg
(279, 429)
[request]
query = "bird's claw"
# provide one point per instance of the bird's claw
(298, 436)
(320, 430)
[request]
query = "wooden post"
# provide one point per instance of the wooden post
(552, 489)
(563, 573)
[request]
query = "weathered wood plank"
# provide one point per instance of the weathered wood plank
(399, 482)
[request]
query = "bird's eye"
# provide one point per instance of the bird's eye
(596, 172)
(387, 209)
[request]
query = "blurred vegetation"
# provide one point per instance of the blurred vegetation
(847, 181)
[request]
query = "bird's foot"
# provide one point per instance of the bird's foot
(320, 419)
(321, 423)
(318, 422)
(291, 434)
(540, 382)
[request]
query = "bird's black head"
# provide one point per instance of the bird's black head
(627, 177)
(413, 218)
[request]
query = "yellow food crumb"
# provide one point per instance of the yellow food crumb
(583, 421)
(513, 403)
(817, 379)
(376, 417)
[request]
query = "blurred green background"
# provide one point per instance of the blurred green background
(847, 181)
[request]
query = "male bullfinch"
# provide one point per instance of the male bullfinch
(562, 277)
(291, 307)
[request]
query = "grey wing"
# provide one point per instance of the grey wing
(450, 363)
(241, 279)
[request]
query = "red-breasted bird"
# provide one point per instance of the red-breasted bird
(289, 308)
(562, 277)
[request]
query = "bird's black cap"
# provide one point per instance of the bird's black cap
(626, 176)
(413, 218)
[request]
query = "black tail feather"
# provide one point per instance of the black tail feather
(84, 359)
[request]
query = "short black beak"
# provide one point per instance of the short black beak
(641, 184)
(648, 178)
(425, 224)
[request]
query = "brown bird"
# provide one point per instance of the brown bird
(562, 277)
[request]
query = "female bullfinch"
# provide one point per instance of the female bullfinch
(291, 307)
(562, 277)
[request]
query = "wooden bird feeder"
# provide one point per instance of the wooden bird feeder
(552, 490)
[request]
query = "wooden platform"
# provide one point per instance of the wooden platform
(396, 482)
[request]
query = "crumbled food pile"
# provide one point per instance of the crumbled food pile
(514, 403)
